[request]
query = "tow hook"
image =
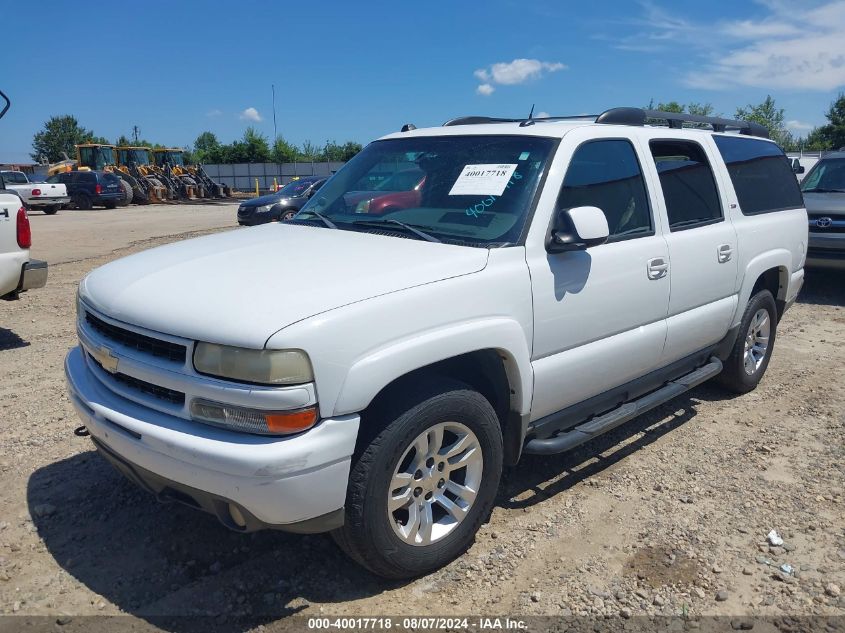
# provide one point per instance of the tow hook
(81, 431)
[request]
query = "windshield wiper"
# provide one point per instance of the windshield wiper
(407, 227)
(323, 218)
(823, 190)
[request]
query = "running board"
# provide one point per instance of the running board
(609, 421)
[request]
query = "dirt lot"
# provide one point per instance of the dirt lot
(669, 515)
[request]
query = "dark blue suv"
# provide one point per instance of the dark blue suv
(91, 188)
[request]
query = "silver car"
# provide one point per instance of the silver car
(824, 196)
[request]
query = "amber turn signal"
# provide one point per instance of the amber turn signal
(292, 422)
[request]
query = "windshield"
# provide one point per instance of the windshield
(96, 157)
(295, 188)
(140, 156)
(169, 158)
(473, 190)
(827, 175)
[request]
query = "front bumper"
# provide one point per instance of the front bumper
(290, 483)
(33, 275)
(826, 250)
(251, 217)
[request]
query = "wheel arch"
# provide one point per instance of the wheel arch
(769, 271)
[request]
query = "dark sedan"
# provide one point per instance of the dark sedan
(281, 205)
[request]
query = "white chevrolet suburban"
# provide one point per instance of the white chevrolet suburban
(540, 282)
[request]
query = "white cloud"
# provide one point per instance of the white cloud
(512, 73)
(784, 45)
(799, 126)
(542, 115)
(251, 114)
(213, 113)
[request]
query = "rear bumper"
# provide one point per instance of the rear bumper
(290, 483)
(33, 275)
(41, 202)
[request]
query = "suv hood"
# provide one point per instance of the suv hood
(833, 203)
(240, 287)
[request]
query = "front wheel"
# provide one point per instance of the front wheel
(287, 214)
(420, 490)
(752, 350)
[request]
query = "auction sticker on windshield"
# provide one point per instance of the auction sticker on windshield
(483, 180)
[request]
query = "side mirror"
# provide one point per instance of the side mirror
(799, 169)
(577, 229)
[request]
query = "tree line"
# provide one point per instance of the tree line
(824, 137)
(61, 133)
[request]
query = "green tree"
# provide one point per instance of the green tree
(60, 134)
(672, 106)
(254, 146)
(700, 109)
(309, 151)
(350, 148)
(283, 152)
(831, 135)
(769, 116)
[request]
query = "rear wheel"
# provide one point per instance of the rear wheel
(127, 190)
(52, 209)
(419, 491)
(111, 204)
(752, 350)
(82, 201)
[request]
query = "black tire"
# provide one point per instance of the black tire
(735, 377)
(127, 190)
(82, 201)
(111, 204)
(367, 535)
(287, 214)
(52, 209)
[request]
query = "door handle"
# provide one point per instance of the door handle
(724, 253)
(657, 268)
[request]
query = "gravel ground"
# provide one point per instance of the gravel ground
(667, 516)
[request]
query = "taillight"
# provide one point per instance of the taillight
(36, 192)
(98, 189)
(24, 231)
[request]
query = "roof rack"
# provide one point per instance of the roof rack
(633, 116)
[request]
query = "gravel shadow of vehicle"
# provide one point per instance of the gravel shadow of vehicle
(568, 469)
(10, 340)
(161, 562)
(823, 287)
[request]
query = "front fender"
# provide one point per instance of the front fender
(372, 373)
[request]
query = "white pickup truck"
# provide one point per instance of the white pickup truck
(18, 272)
(49, 197)
(517, 300)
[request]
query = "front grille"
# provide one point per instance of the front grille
(162, 393)
(829, 223)
(140, 342)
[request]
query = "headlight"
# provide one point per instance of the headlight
(262, 366)
(265, 208)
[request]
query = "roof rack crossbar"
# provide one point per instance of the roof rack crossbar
(676, 120)
(633, 116)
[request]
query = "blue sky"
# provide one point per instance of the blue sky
(357, 70)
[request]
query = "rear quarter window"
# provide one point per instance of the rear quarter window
(761, 174)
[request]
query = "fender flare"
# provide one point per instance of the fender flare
(777, 258)
(373, 372)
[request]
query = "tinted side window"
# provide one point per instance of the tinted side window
(607, 175)
(761, 174)
(689, 187)
(55, 179)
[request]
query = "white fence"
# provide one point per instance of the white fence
(242, 176)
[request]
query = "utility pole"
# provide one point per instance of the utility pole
(136, 132)
(275, 133)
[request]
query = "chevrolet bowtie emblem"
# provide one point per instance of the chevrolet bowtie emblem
(107, 360)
